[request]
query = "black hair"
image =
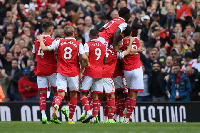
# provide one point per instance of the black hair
(123, 12)
(94, 32)
(119, 39)
(99, 15)
(15, 59)
(127, 31)
(178, 64)
(47, 25)
(156, 63)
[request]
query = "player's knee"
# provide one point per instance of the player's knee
(43, 91)
(73, 94)
(83, 93)
(133, 94)
(120, 93)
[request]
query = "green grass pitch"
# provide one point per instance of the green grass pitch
(37, 127)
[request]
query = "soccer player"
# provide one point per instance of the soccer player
(109, 32)
(95, 51)
(108, 70)
(45, 69)
(133, 72)
(68, 69)
(120, 89)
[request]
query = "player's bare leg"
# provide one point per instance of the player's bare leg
(43, 96)
(72, 106)
(131, 105)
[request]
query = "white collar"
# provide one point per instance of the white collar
(46, 35)
(122, 18)
(94, 40)
(70, 38)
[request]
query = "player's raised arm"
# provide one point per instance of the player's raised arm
(43, 47)
(116, 35)
(127, 52)
(124, 13)
(51, 47)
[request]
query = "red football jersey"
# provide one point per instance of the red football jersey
(110, 28)
(131, 62)
(97, 52)
(46, 62)
(109, 67)
(118, 69)
(68, 50)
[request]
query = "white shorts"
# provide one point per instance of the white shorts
(64, 81)
(108, 86)
(103, 41)
(134, 79)
(43, 81)
(95, 84)
(118, 82)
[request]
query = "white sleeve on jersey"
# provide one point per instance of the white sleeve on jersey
(106, 53)
(33, 50)
(54, 45)
(86, 48)
(105, 25)
(120, 55)
(122, 26)
(81, 49)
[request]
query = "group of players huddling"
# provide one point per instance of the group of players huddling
(103, 62)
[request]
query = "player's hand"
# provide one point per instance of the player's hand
(88, 65)
(40, 37)
(133, 51)
(141, 49)
(132, 39)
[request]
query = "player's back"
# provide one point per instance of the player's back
(131, 62)
(46, 62)
(96, 56)
(68, 60)
(109, 67)
(110, 28)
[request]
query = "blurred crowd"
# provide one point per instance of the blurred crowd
(168, 29)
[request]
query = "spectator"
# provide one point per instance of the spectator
(188, 61)
(27, 89)
(14, 76)
(178, 86)
(157, 84)
(145, 29)
(197, 65)
(98, 21)
(4, 82)
(169, 64)
(195, 44)
(194, 77)
(144, 95)
(6, 61)
(114, 14)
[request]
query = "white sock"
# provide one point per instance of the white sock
(89, 112)
(121, 118)
(70, 119)
(126, 119)
(84, 112)
(43, 114)
(106, 118)
(115, 117)
(110, 119)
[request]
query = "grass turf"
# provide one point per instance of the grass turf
(33, 127)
